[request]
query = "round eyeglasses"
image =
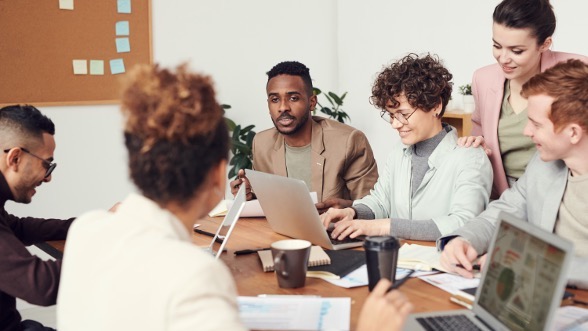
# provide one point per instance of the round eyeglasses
(389, 117)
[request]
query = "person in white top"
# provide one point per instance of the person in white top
(136, 268)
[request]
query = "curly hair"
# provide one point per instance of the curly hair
(536, 15)
(424, 81)
(174, 131)
(567, 83)
(292, 68)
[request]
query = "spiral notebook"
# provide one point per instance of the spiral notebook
(317, 257)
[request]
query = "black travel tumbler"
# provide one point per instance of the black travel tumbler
(381, 253)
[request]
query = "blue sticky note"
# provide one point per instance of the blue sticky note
(122, 28)
(124, 6)
(117, 66)
(122, 45)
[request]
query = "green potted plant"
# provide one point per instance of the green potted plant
(241, 145)
(468, 99)
(334, 111)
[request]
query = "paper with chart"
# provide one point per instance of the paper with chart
(295, 312)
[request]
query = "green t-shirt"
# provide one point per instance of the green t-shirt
(516, 149)
(298, 163)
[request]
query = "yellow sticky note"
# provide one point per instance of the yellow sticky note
(96, 67)
(80, 67)
(66, 4)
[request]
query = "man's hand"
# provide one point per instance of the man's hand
(384, 311)
(332, 203)
(355, 228)
(459, 251)
(474, 141)
(235, 184)
(336, 215)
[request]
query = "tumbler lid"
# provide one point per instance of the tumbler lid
(381, 242)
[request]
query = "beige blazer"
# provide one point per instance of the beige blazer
(488, 91)
(342, 161)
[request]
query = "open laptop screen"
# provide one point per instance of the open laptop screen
(522, 278)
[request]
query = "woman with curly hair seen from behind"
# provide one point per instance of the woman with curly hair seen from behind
(136, 268)
(430, 186)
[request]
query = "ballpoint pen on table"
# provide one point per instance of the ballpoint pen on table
(219, 239)
(474, 266)
(399, 282)
(250, 251)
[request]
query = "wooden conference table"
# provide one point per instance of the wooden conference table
(251, 233)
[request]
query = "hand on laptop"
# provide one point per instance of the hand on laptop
(336, 215)
(384, 311)
(322, 207)
(235, 184)
(356, 228)
(460, 251)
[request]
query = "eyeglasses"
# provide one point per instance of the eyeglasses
(389, 117)
(49, 166)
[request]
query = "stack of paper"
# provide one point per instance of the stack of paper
(419, 257)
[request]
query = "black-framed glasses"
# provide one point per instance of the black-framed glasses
(49, 166)
(389, 117)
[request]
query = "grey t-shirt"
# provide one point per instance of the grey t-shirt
(298, 163)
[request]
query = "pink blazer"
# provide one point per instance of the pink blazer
(488, 91)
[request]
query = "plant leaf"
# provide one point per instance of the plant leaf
(330, 100)
(335, 97)
(249, 139)
(316, 91)
(327, 111)
(230, 124)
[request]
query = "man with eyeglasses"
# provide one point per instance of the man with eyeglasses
(27, 145)
(333, 159)
(429, 187)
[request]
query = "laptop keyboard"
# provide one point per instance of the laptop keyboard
(447, 322)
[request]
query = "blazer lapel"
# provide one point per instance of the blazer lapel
(279, 157)
(317, 160)
(553, 196)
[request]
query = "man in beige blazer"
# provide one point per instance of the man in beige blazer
(334, 159)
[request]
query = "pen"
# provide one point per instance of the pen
(219, 239)
(474, 266)
(249, 251)
(399, 282)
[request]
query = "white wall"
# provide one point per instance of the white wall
(344, 43)
(373, 33)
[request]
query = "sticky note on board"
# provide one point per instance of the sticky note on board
(96, 67)
(122, 28)
(123, 6)
(123, 45)
(66, 4)
(80, 67)
(117, 66)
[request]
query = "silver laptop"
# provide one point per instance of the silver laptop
(229, 221)
(290, 211)
(522, 282)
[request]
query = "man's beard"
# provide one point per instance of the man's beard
(299, 125)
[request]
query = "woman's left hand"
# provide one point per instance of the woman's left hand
(354, 228)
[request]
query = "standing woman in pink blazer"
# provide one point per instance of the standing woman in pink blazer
(522, 35)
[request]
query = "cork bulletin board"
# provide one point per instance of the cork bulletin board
(59, 52)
